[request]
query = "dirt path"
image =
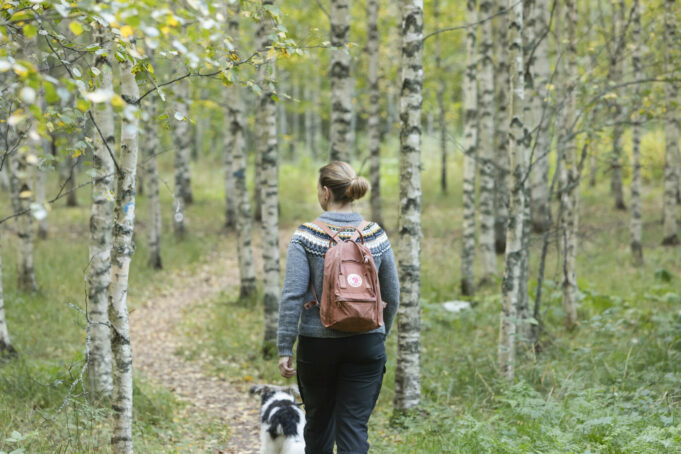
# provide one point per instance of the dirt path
(155, 341)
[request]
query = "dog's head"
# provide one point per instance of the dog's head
(267, 391)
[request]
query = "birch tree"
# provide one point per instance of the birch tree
(373, 123)
(235, 134)
(340, 134)
(181, 154)
(151, 148)
(671, 132)
(486, 147)
(267, 148)
(227, 139)
(6, 347)
(408, 373)
(121, 254)
(470, 132)
(539, 176)
(101, 223)
(441, 106)
(25, 166)
(569, 172)
(518, 151)
(615, 77)
(636, 222)
(501, 160)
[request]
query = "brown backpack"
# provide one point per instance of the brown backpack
(351, 295)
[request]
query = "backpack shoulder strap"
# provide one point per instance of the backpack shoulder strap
(358, 231)
(324, 227)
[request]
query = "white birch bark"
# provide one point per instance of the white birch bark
(501, 159)
(151, 149)
(671, 131)
(227, 163)
(616, 187)
(25, 166)
(267, 145)
(408, 373)
(340, 135)
(569, 173)
(308, 118)
(100, 380)
(518, 151)
(373, 123)
(235, 133)
(440, 95)
(486, 147)
(181, 154)
(41, 177)
(121, 254)
(6, 347)
(636, 223)
(470, 133)
(539, 175)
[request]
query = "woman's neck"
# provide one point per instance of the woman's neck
(339, 208)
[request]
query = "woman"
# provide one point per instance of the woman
(339, 373)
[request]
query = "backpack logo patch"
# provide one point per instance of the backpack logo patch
(355, 280)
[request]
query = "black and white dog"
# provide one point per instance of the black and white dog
(281, 420)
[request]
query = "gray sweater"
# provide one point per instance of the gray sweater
(305, 261)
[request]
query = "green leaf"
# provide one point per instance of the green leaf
(30, 30)
(76, 28)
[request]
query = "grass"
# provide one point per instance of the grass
(611, 385)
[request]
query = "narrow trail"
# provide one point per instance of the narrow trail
(155, 340)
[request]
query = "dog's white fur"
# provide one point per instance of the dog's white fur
(293, 443)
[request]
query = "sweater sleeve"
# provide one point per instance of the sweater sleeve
(294, 289)
(390, 287)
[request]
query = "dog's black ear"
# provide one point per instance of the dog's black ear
(257, 389)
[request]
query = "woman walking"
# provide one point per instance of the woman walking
(339, 373)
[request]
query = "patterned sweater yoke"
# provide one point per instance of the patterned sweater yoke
(316, 242)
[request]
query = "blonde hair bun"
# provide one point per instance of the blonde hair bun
(358, 187)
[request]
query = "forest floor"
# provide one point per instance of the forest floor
(155, 343)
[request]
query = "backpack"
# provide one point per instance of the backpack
(351, 295)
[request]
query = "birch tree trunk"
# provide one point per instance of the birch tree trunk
(71, 170)
(569, 173)
(121, 439)
(671, 131)
(470, 133)
(235, 133)
(373, 124)
(501, 159)
(408, 373)
(267, 145)
(539, 175)
(151, 148)
(341, 82)
(25, 166)
(518, 151)
(618, 111)
(101, 225)
(442, 112)
(40, 177)
(182, 144)
(6, 347)
(228, 158)
(636, 221)
(486, 147)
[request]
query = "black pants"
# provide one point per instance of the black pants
(339, 381)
